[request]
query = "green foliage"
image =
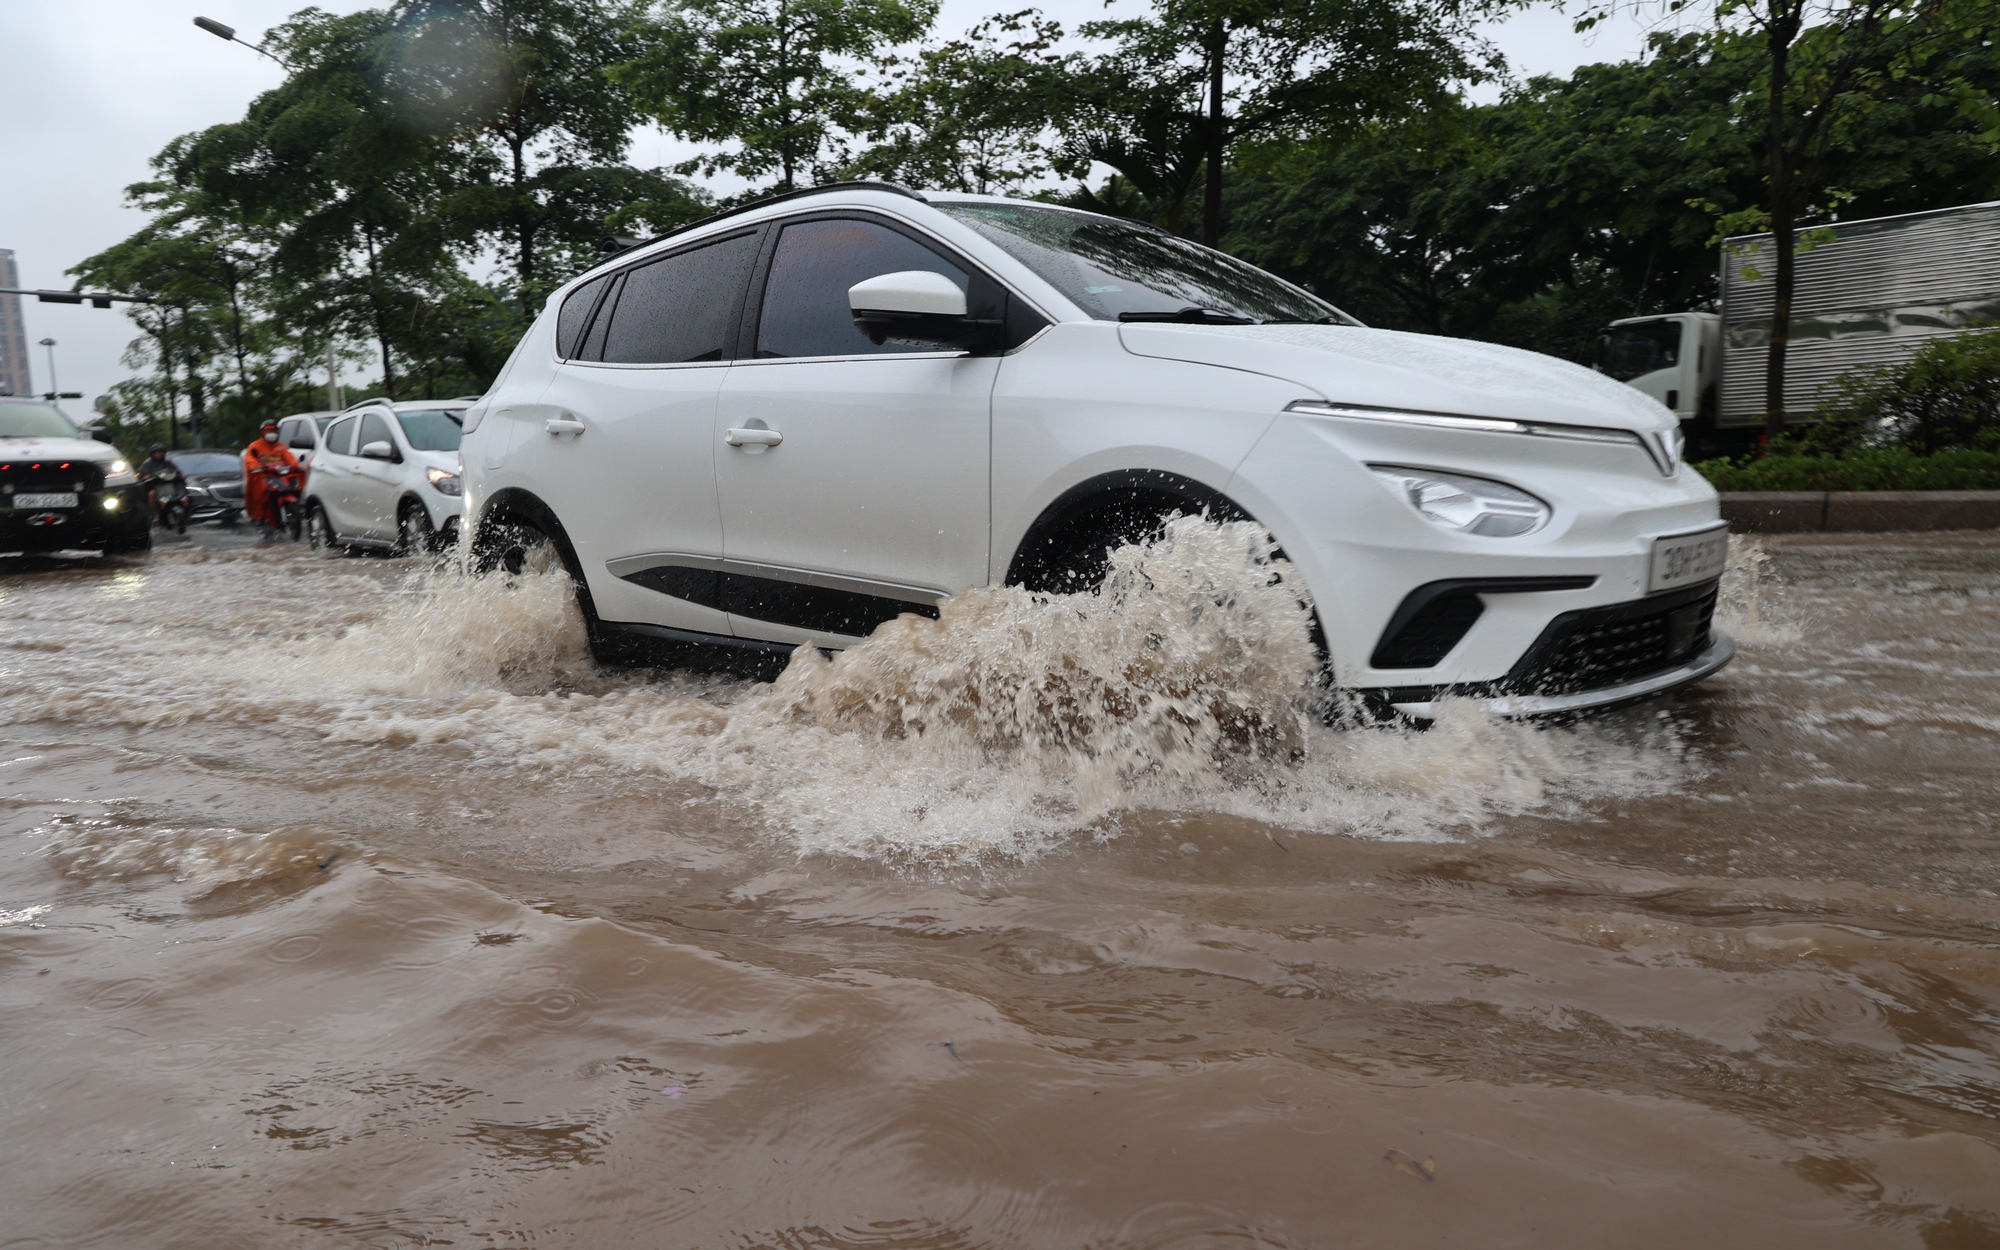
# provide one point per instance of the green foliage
(1176, 92)
(1574, 201)
(344, 208)
(1943, 397)
(1868, 468)
(968, 115)
(773, 79)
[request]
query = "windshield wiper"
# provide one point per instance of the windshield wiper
(1190, 316)
(1298, 321)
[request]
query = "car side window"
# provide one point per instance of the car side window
(575, 315)
(805, 310)
(340, 436)
(681, 308)
(374, 429)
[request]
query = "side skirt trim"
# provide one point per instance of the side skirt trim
(822, 602)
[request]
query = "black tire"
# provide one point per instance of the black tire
(1077, 558)
(510, 547)
(414, 533)
(180, 520)
(319, 530)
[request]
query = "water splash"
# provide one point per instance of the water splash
(1009, 725)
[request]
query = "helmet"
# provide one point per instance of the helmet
(268, 425)
(156, 447)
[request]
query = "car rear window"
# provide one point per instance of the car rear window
(340, 439)
(681, 308)
(432, 429)
(201, 463)
(575, 315)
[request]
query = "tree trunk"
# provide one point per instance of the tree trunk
(524, 227)
(1211, 197)
(1783, 30)
(375, 308)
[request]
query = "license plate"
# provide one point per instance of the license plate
(1684, 559)
(67, 499)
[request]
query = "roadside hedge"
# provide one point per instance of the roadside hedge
(1862, 468)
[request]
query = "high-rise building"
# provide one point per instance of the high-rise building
(14, 377)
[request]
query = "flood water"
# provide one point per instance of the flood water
(344, 903)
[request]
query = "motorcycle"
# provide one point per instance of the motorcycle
(282, 487)
(170, 497)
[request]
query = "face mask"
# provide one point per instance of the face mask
(271, 437)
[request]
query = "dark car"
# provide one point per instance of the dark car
(215, 484)
(61, 491)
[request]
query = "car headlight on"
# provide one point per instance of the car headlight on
(118, 473)
(1469, 505)
(444, 481)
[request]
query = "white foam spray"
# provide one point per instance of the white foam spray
(1011, 723)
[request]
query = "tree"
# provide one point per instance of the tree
(969, 114)
(1237, 70)
(520, 89)
(777, 79)
(1822, 67)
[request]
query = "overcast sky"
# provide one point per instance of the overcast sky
(93, 88)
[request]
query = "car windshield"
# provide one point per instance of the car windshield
(34, 421)
(433, 429)
(325, 420)
(1630, 351)
(199, 463)
(1121, 270)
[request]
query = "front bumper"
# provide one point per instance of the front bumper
(1720, 650)
(89, 526)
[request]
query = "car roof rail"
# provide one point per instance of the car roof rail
(862, 184)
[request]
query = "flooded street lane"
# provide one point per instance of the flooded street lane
(347, 905)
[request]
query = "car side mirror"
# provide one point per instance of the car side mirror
(920, 307)
(101, 434)
(380, 449)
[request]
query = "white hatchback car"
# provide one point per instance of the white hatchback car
(791, 422)
(385, 476)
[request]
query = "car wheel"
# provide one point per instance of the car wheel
(319, 530)
(414, 534)
(512, 547)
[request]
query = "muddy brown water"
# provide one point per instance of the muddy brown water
(342, 905)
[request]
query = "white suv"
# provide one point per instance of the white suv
(794, 421)
(385, 476)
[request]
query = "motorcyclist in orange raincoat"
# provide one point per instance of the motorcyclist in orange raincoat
(265, 453)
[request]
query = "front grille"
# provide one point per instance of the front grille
(1592, 648)
(36, 477)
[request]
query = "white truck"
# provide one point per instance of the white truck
(1876, 292)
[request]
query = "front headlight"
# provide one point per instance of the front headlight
(1469, 505)
(118, 473)
(443, 481)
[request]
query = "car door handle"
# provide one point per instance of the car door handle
(562, 425)
(757, 438)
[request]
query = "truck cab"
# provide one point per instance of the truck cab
(1675, 357)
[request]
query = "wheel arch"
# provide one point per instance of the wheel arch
(512, 503)
(1126, 490)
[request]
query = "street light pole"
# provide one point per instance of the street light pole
(51, 345)
(220, 31)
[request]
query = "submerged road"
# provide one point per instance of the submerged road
(344, 903)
